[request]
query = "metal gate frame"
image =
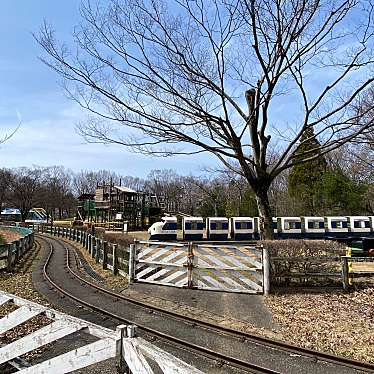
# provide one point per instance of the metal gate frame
(144, 268)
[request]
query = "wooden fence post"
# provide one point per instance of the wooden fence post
(115, 258)
(10, 257)
(89, 243)
(105, 255)
(18, 251)
(70, 230)
(345, 276)
(123, 368)
(93, 246)
(98, 250)
(266, 270)
(132, 256)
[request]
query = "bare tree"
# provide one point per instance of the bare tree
(25, 185)
(56, 191)
(86, 181)
(5, 183)
(186, 77)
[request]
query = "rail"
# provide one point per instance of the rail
(294, 351)
(112, 256)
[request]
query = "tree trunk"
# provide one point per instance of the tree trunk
(265, 214)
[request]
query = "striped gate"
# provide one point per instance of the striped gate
(161, 263)
(219, 267)
(231, 268)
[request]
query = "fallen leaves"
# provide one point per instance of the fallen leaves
(335, 322)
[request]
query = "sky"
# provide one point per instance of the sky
(30, 94)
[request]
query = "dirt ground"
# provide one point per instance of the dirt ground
(336, 322)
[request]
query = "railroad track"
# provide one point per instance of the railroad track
(290, 358)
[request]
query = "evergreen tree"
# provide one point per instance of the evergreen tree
(305, 179)
(341, 195)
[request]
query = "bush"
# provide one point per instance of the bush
(289, 259)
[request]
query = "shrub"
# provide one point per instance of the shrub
(289, 259)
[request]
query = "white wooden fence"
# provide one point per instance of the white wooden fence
(134, 354)
(222, 267)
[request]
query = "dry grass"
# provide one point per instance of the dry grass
(19, 283)
(9, 236)
(339, 323)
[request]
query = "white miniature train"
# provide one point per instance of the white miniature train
(247, 228)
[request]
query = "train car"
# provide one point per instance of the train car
(164, 230)
(336, 227)
(193, 228)
(313, 227)
(242, 228)
(217, 228)
(359, 226)
(289, 227)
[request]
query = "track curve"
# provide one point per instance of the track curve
(256, 354)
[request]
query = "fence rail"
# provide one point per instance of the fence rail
(133, 354)
(11, 253)
(110, 255)
(173, 263)
(349, 274)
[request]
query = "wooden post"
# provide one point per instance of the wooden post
(9, 257)
(105, 255)
(132, 257)
(89, 243)
(98, 249)
(93, 245)
(115, 258)
(70, 230)
(266, 270)
(345, 276)
(123, 368)
(350, 265)
(18, 251)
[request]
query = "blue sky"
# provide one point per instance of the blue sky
(29, 91)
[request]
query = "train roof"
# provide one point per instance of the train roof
(193, 218)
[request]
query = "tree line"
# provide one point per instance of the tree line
(340, 184)
(243, 80)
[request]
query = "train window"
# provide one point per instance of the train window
(339, 224)
(361, 224)
(292, 225)
(243, 225)
(219, 225)
(196, 226)
(316, 225)
(170, 226)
